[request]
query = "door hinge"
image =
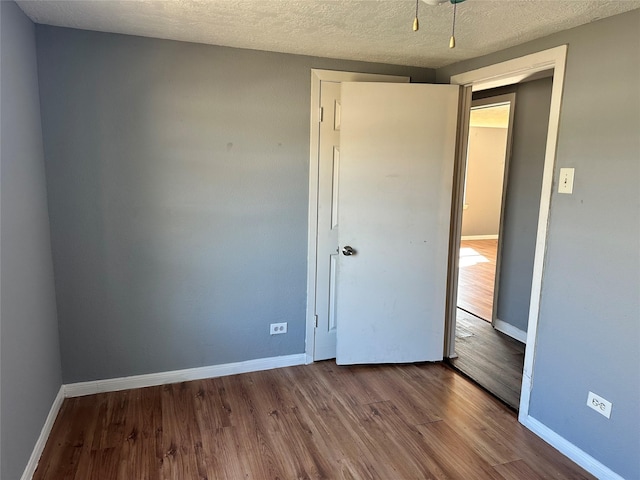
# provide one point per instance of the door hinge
(316, 320)
(321, 114)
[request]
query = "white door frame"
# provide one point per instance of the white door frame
(318, 76)
(509, 73)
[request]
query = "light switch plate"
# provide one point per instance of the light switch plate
(565, 183)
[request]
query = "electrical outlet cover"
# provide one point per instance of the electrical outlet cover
(278, 328)
(599, 404)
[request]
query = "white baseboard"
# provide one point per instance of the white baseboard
(44, 435)
(175, 376)
(568, 449)
(479, 237)
(510, 330)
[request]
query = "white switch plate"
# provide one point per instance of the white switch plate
(565, 184)
(599, 404)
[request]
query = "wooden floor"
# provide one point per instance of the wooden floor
(476, 276)
(315, 421)
(489, 357)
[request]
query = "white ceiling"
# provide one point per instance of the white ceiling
(494, 116)
(369, 30)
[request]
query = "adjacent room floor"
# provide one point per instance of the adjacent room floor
(489, 357)
(476, 277)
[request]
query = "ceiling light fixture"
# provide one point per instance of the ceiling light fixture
(452, 40)
(416, 23)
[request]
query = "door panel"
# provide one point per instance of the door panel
(397, 151)
(327, 219)
(326, 266)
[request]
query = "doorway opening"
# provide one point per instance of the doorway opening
(501, 199)
(491, 358)
(511, 72)
(485, 186)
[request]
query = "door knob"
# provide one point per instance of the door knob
(347, 251)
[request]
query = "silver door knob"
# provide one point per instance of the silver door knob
(347, 251)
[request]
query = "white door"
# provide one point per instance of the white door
(397, 151)
(328, 148)
(329, 152)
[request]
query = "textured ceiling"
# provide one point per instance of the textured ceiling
(370, 30)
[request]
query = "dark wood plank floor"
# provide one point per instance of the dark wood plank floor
(316, 421)
(476, 277)
(489, 357)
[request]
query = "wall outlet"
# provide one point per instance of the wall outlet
(278, 328)
(599, 404)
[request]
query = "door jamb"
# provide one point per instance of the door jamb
(509, 73)
(318, 76)
(455, 226)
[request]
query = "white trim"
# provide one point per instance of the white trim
(510, 330)
(508, 73)
(318, 76)
(175, 376)
(479, 237)
(568, 449)
(512, 71)
(560, 56)
(38, 448)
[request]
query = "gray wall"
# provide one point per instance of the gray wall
(29, 352)
(521, 209)
(589, 328)
(178, 194)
